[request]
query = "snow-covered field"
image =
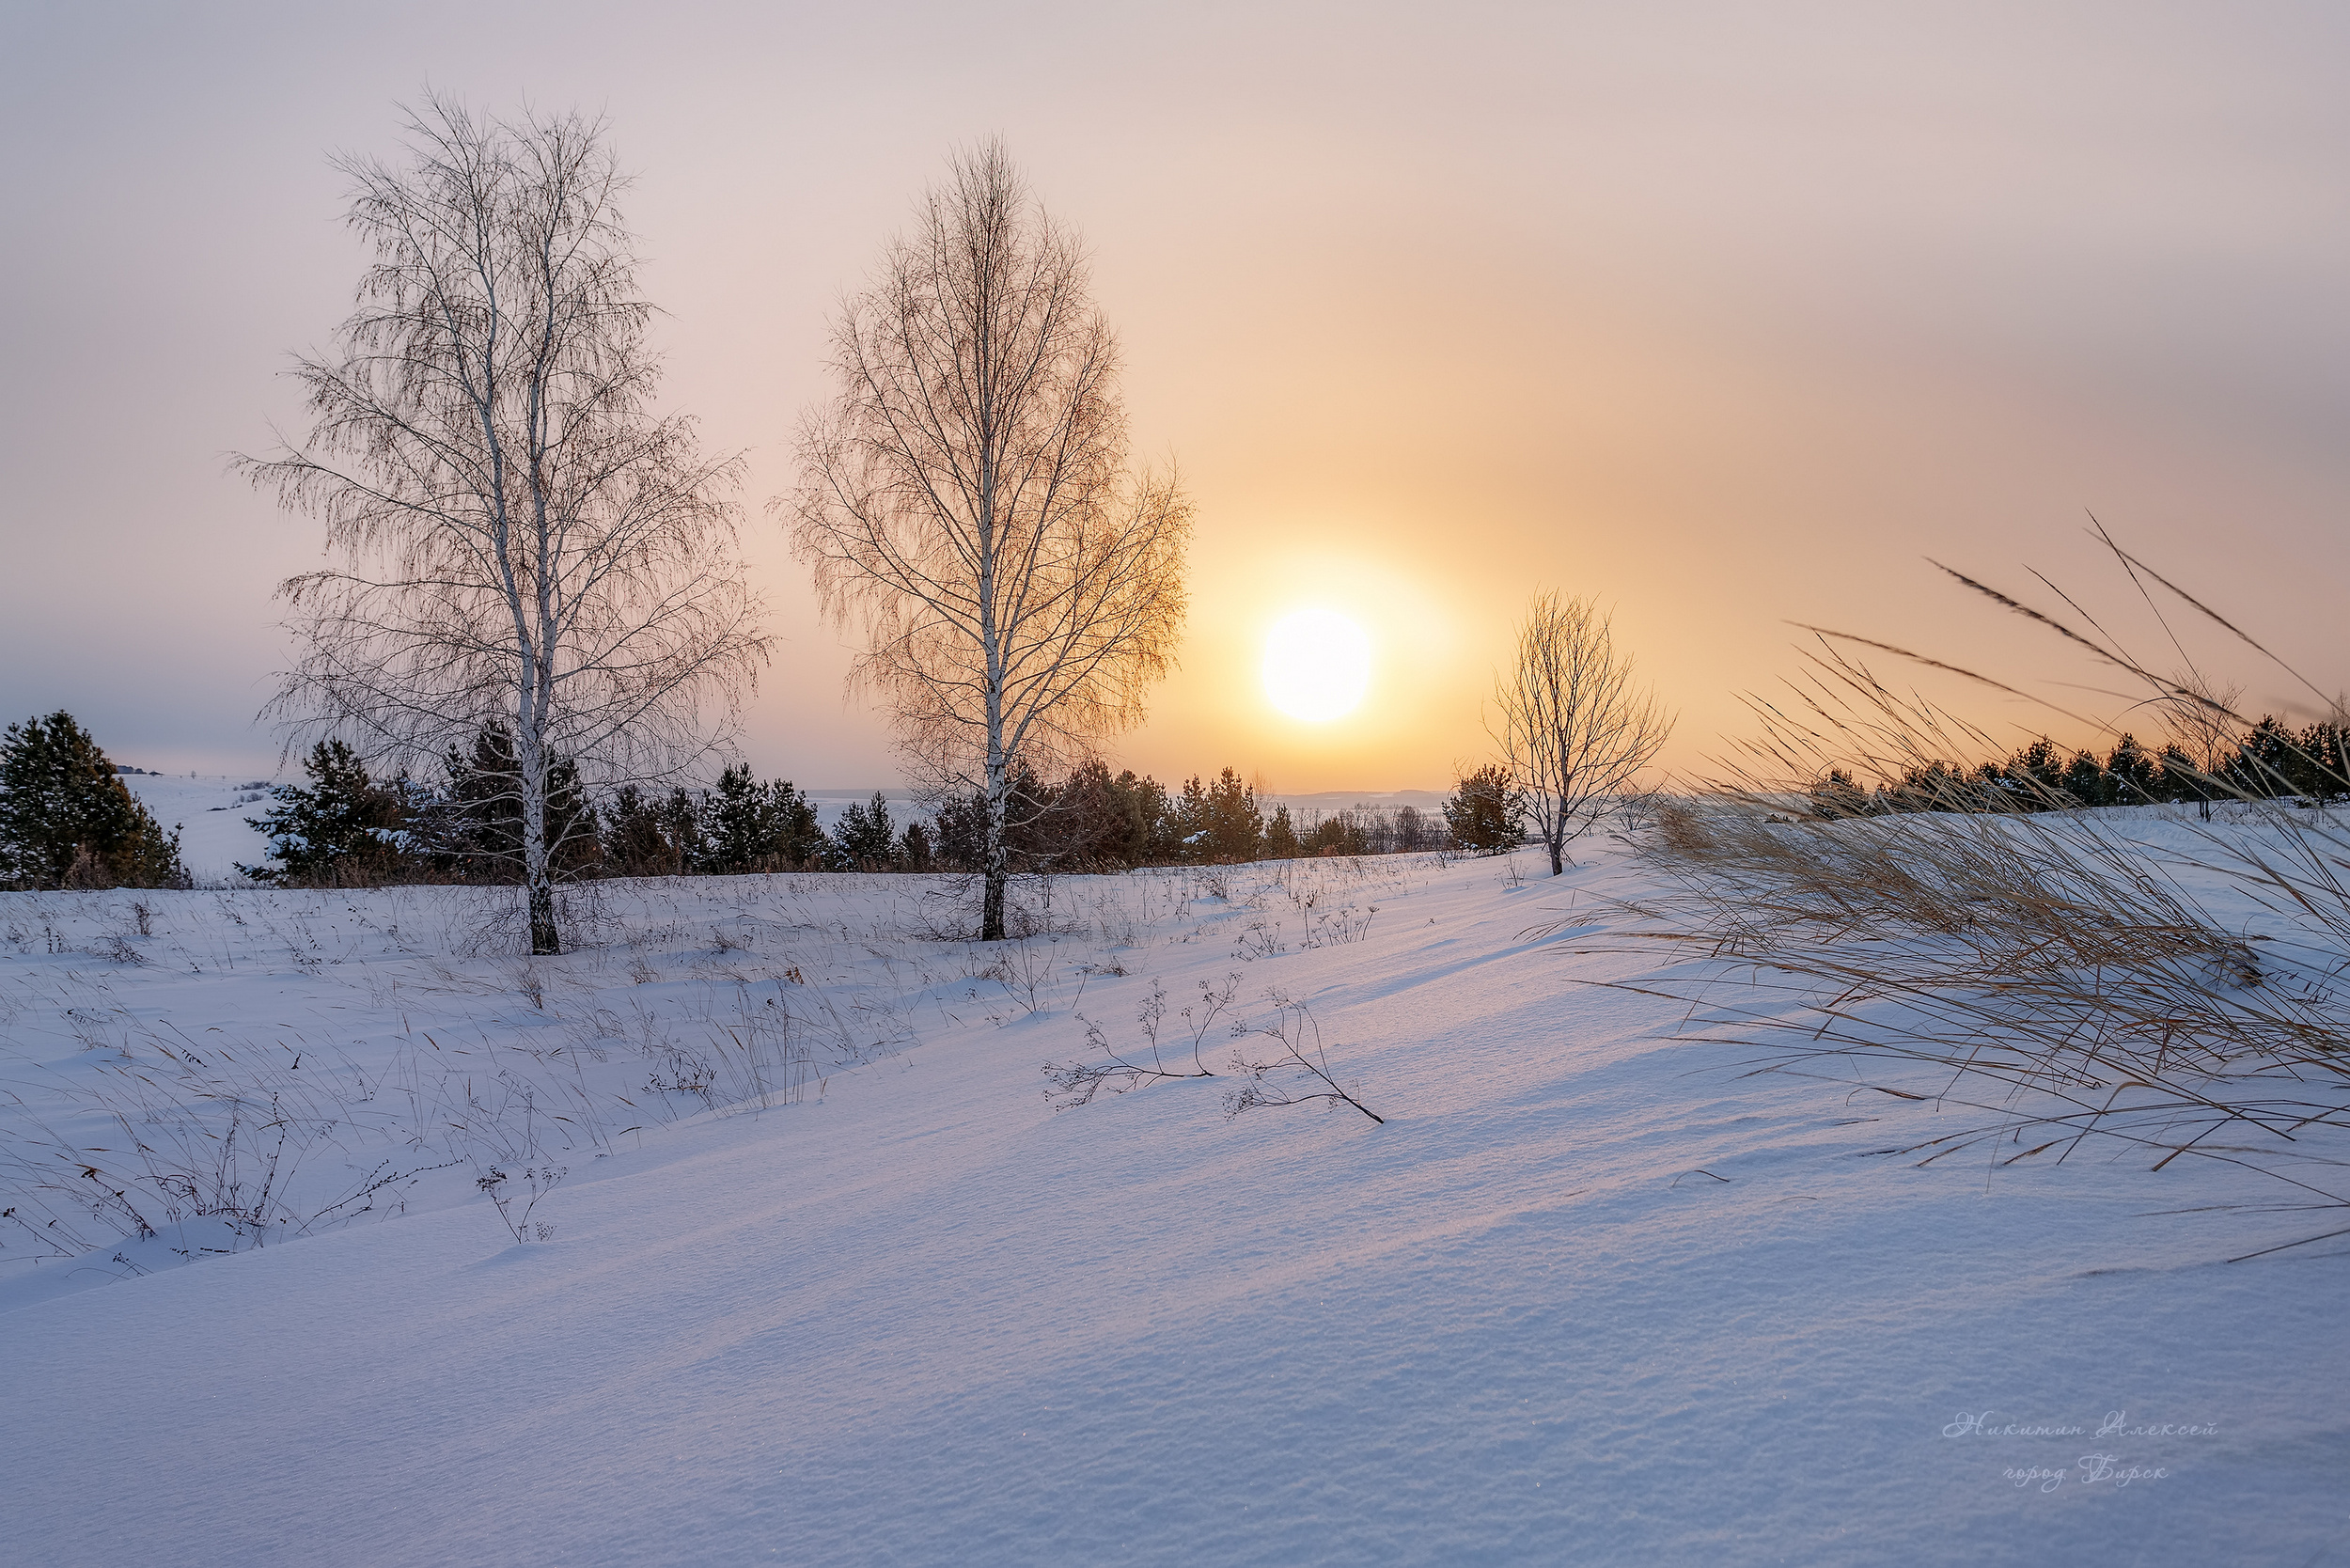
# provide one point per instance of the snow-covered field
(829, 1281)
(211, 816)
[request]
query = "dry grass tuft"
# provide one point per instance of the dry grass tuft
(2059, 971)
(2054, 973)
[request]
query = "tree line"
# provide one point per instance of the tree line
(67, 821)
(2271, 761)
(1093, 820)
(344, 829)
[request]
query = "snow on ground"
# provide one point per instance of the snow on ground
(210, 814)
(1588, 1295)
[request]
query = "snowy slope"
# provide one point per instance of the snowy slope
(1588, 1295)
(214, 835)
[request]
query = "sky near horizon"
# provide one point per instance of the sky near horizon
(1727, 315)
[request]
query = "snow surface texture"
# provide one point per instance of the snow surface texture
(1590, 1295)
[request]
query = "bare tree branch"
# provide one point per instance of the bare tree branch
(965, 495)
(1573, 728)
(521, 540)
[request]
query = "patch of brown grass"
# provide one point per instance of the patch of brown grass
(2059, 971)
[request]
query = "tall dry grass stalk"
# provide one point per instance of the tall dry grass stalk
(2157, 977)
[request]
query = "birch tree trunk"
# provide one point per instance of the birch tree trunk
(520, 539)
(966, 497)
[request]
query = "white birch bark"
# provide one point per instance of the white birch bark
(518, 539)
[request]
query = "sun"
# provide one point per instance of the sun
(1317, 664)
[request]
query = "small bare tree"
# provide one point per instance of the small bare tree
(1573, 728)
(967, 494)
(523, 543)
(2205, 725)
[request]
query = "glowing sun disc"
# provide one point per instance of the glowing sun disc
(1317, 664)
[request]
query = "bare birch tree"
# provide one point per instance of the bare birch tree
(966, 495)
(1573, 728)
(521, 542)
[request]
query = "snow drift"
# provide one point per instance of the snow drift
(856, 1291)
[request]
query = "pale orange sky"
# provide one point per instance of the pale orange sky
(1725, 314)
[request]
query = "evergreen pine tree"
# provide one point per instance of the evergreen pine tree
(2035, 776)
(2182, 780)
(748, 827)
(1037, 832)
(1159, 828)
(1189, 815)
(67, 820)
(1833, 797)
(1280, 836)
(1935, 786)
(961, 832)
(1097, 819)
(680, 819)
(2137, 776)
(2264, 765)
(2323, 763)
(639, 837)
(1484, 812)
(477, 831)
(740, 832)
(343, 831)
(1235, 828)
(2085, 780)
(867, 836)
